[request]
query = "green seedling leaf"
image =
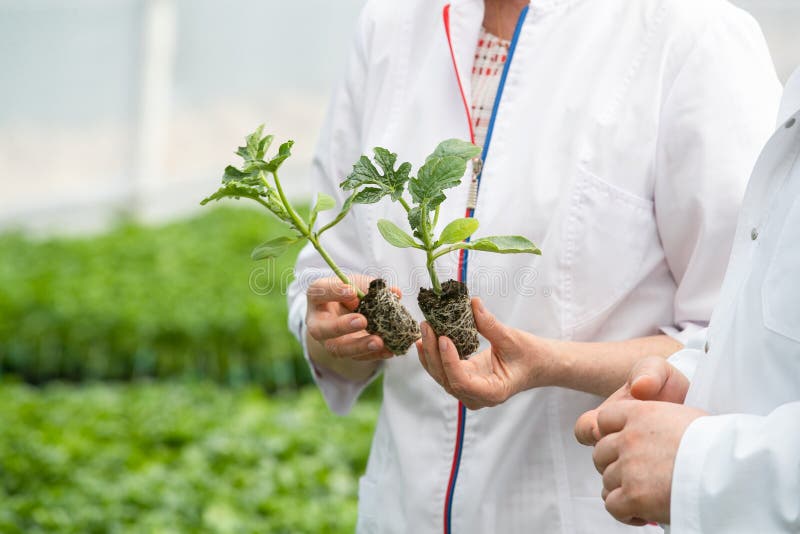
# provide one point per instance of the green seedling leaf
(255, 146)
(236, 190)
(457, 231)
(369, 195)
(456, 147)
(505, 244)
(389, 183)
(436, 175)
(394, 235)
(415, 221)
(324, 203)
(284, 151)
(273, 248)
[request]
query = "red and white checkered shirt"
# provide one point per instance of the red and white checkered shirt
(490, 56)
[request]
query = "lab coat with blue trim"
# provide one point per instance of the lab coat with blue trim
(739, 470)
(622, 146)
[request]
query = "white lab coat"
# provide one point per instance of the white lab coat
(739, 472)
(622, 147)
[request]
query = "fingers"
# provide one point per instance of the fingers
(327, 290)
(648, 377)
(430, 354)
(613, 417)
(488, 325)
(358, 346)
(612, 477)
(622, 508)
(333, 327)
(586, 431)
(454, 372)
(605, 452)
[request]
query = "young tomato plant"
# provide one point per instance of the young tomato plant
(446, 306)
(398, 328)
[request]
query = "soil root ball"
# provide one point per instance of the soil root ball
(388, 318)
(450, 314)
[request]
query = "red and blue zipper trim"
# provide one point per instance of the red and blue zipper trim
(463, 259)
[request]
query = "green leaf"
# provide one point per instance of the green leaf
(368, 195)
(284, 151)
(415, 221)
(273, 248)
(458, 230)
(250, 152)
(235, 190)
(324, 203)
(394, 235)
(434, 177)
(456, 147)
(365, 173)
(505, 244)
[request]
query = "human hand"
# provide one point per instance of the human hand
(650, 379)
(491, 376)
(636, 456)
(333, 330)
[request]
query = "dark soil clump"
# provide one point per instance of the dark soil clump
(450, 314)
(388, 318)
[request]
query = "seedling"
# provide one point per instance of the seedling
(446, 306)
(251, 181)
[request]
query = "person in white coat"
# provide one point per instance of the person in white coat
(724, 457)
(619, 140)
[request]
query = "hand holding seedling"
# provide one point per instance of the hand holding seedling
(332, 300)
(332, 327)
(446, 306)
(512, 364)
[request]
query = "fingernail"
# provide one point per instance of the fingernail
(442, 344)
(373, 345)
(356, 323)
(424, 330)
(481, 309)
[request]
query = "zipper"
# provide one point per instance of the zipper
(472, 204)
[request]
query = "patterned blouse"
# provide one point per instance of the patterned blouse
(490, 56)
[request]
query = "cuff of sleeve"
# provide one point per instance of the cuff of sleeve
(686, 361)
(697, 444)
(340, 394)
(690, 335)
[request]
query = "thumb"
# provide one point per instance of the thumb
(488, 325)
(648, 378)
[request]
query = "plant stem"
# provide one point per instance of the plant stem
(315, 243)
(308, 234)
(437, 287)
(404, 204)
(427, 241)
(435, 218)
(298, 222)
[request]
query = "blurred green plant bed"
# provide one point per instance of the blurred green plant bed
(177, 457)
(173, 300)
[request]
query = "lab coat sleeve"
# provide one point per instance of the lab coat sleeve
(716, 115)
(686, 361)
(739, 473)
(338, 147)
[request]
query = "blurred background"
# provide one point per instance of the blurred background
(147, 381)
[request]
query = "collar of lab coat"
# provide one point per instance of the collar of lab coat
(791, 98)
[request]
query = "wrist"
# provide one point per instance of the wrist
(546, 361)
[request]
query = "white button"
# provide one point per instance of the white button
(791, 122)
(754, 234)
